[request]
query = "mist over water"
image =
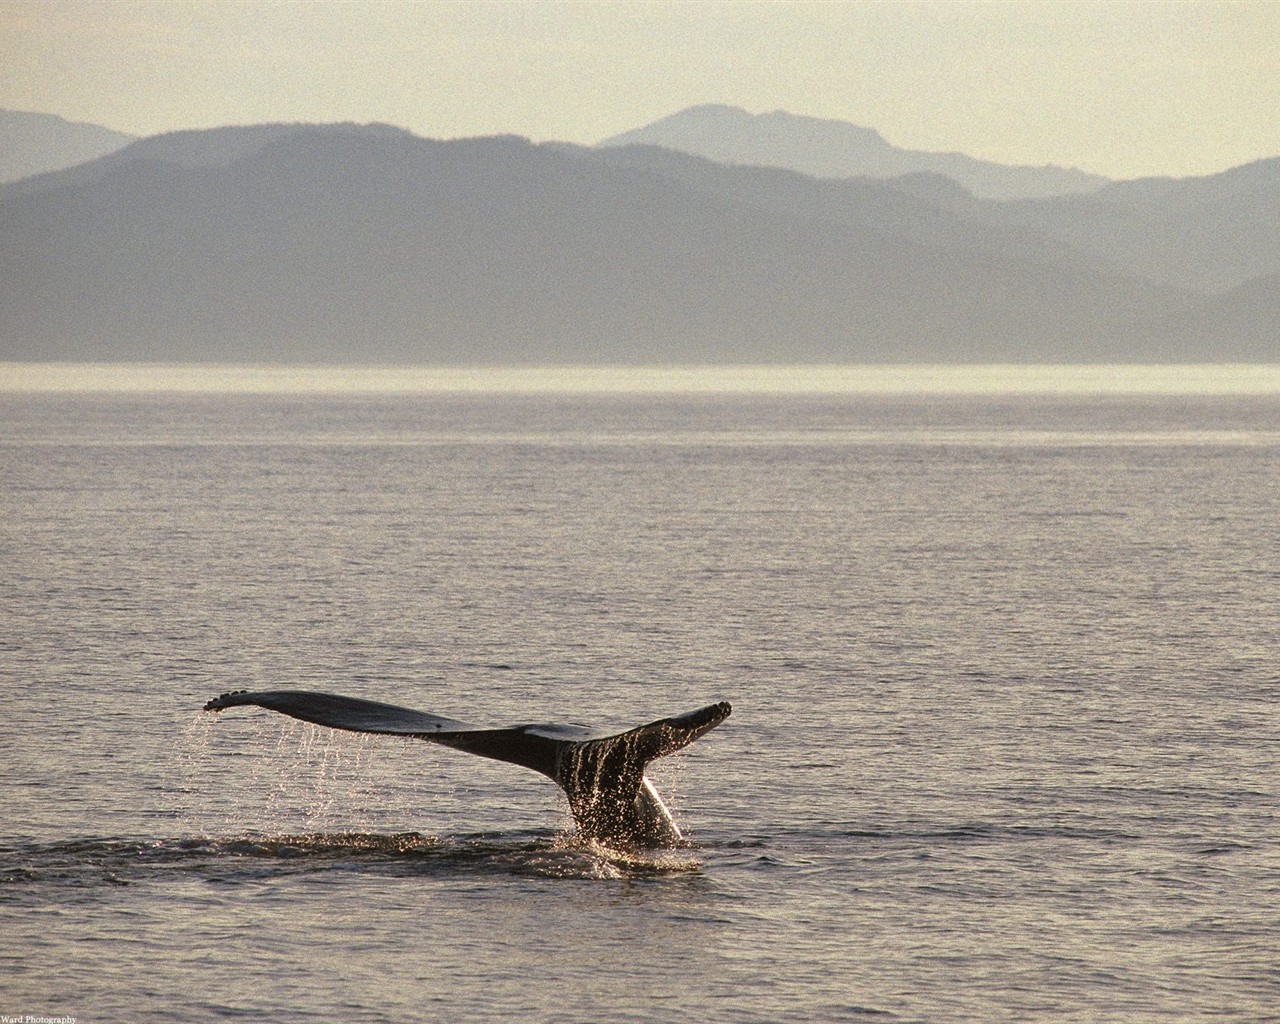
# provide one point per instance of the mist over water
(1003, 673)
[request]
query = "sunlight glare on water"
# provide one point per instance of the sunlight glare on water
(979, 379)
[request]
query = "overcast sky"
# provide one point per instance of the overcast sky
(1119, 88)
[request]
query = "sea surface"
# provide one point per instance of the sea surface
(1004, 666)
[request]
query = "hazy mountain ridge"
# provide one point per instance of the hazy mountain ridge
(928, 209)
(1205, 234)
(1209, 233)
(837, 149)
(37, 143)
(190, 148)
(349, 243)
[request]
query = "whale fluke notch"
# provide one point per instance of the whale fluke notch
(602, 774)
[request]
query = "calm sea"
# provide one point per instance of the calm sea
(1003, 663)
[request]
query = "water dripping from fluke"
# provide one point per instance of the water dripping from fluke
(612, 801)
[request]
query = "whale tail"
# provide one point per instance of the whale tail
(602, 775)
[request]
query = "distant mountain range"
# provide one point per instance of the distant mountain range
(37, 143)
(837, 149)
(347, 243)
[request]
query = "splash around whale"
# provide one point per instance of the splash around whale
(603, 775)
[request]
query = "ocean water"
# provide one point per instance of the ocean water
(1005, 741)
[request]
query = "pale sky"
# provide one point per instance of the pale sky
(1120, 88)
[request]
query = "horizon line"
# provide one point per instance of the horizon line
(692, 379)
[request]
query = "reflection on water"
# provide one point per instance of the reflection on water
(233, 860)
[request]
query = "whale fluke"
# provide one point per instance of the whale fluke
(602, 775)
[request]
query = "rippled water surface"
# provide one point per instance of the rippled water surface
(1004, 673)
